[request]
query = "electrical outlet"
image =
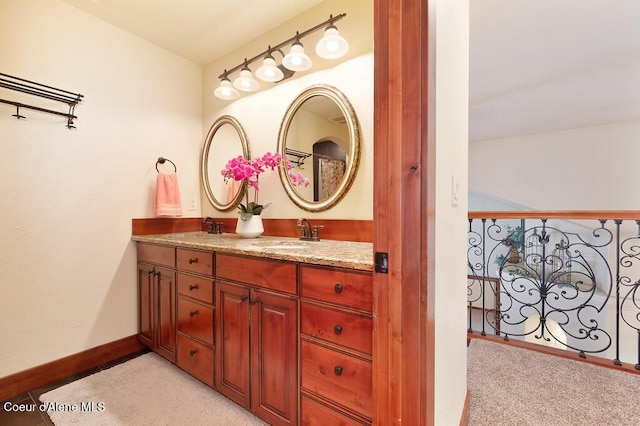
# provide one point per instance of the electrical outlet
(192, 205)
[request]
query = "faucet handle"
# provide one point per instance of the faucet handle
(303, 230)
(315, 229)
(218, 227)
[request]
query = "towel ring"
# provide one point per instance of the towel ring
(161, 160)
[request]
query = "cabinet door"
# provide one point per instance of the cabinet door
(274, 367)
(232, 342)
(146, 324)
(166, 304)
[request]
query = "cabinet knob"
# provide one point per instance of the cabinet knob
(150, 273)
(337, 329)
(193, 287)
(192, 352)
(338, 288)
(193, 260)
(253, 301)
(338, 370)
(193, 313)
(243, 297)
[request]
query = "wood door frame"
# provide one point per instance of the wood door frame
(404, 205)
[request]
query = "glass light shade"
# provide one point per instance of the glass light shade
(332, 45)
(296, 59)
(269, 71)
(226, 90)
(246, 82)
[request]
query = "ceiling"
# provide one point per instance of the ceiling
(198, 30)
(546, 65)
(535, 66)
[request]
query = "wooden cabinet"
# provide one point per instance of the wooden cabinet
(156, 300)
(335, 346)
(290, 342)
(316, 413)
(257, 338)
(195, 314)
(232, 316)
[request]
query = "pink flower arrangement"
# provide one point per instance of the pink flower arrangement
(242, 169)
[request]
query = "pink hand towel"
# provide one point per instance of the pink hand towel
(167, 202)
(233, 190)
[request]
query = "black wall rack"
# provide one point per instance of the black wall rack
(297, 157)
(42, 91)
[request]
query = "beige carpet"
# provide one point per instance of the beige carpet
(147, 390)
(513, 386)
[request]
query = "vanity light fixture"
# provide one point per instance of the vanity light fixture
(331, 46)
(296, 59)
(269, 71)
(226, 90)
(245, 81)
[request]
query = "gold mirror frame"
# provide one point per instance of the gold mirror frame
(204, 173)
(354, 149)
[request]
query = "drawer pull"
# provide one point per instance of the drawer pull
(338, 370)
(193, 313)
(193, 260)
(193, 287)
(337, 329)
(338, 288)
(192, 352)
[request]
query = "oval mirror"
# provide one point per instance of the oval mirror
(320, 137)
(226, 139)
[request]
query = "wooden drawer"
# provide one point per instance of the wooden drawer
(196, 359)
(273, 274)
(196, 287)
(195, 320)
(338, 286)
(195, 261)
(315, 413)
(160, 255)
(353, 331)
(338, 377)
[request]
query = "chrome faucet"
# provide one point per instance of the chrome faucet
(308, 232)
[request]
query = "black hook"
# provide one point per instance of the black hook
(17, 114)
(161, 160)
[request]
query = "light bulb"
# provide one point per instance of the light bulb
(332, 45)
(269, 71)
(226, 90)
(245, 81)
(296, 59)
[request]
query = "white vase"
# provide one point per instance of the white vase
(251, 227)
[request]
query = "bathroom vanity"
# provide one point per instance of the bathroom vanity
(282, 327)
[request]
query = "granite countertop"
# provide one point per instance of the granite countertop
(345, 254)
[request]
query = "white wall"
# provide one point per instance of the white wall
(261, 113)
(67, 265)
(449, 34)
(589, 168)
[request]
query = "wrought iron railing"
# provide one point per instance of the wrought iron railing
(564, 279)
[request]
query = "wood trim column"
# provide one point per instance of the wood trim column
(403, 214)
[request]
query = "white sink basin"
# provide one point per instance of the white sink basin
(282, 244)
